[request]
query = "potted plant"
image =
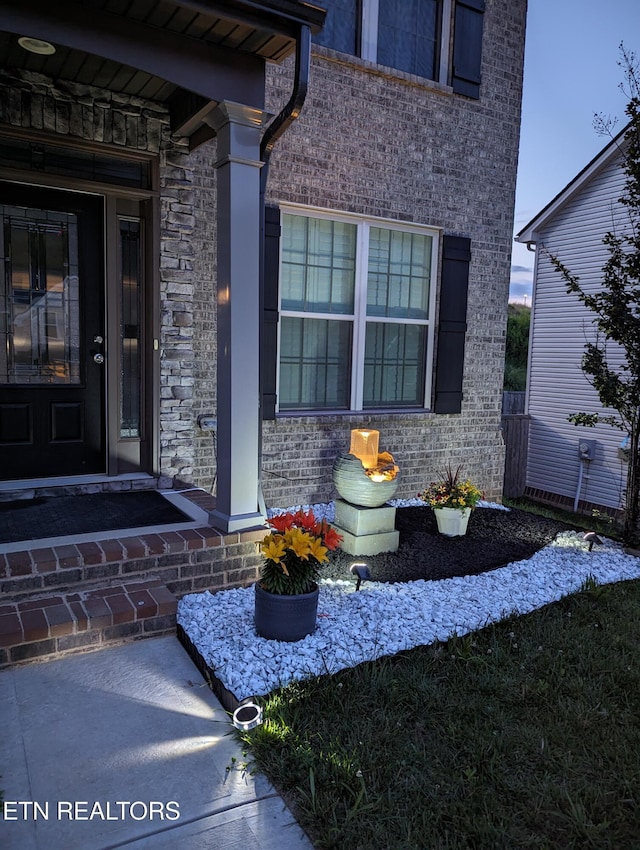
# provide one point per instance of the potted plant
(286, 596)
(452, 500)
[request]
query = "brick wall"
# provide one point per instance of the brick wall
(391, 145)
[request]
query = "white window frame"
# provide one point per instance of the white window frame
(369, 36)
(359, 318)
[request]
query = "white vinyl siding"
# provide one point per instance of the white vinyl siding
(560, 327)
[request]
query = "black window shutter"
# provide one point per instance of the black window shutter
(270, 303)
(452, 324)
(467, 47)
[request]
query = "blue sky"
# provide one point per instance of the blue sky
(571, 72)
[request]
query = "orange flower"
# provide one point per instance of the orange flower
(305, 520)
(330, 536)
(281, 522)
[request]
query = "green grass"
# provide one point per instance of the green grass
(525, 734)
(597, 521)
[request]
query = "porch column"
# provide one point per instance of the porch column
(238, 131)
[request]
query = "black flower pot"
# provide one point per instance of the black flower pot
(288, 618)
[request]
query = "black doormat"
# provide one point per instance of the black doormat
(61, 516)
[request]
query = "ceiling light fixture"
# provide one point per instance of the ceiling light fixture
(35, 45)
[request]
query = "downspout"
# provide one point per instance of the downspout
(278, 126)
(293, 108)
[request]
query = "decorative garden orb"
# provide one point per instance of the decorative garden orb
(356, 487)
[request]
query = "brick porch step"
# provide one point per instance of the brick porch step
(53, 625)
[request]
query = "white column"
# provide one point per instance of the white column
(238, 130)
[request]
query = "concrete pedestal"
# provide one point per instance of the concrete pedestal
(366, 531)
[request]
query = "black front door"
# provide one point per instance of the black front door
(51, 333)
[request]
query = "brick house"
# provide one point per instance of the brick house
(407, 143)
(405, 152)
(138, 150)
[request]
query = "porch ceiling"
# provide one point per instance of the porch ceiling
(188, 54)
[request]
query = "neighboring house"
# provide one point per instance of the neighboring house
(567, 464)
(131, 194)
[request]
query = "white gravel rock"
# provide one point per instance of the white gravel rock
(382, 619)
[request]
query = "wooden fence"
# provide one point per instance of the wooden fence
(515, 432)
(512, 403)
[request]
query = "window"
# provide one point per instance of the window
(356, 313)
(411, 35)
(408, 36)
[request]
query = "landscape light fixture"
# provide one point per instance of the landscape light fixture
(247, 716)
(36, 45)
(362, 571)
(591, 537)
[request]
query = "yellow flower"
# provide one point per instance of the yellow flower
(273, 548)
(299, 542)
(318, 551)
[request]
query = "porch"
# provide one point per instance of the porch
(76, 593)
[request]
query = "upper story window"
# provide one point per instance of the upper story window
(356, 313)
(414, 36)
(409, 36)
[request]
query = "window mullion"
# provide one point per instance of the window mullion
(369, 31)
(446, 12)
(360, 318)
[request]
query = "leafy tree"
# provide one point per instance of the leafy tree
(616, 308)
(517, 349)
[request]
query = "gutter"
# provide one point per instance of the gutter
(293, 108)
(274, 131)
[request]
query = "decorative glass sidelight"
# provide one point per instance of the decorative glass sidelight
(130, 327)
(39, 297)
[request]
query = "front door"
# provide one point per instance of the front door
(52, 333)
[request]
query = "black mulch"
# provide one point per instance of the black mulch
(55, 516)
(494, 538)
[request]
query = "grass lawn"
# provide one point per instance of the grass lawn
(523, 734)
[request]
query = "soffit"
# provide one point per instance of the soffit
(169, 51)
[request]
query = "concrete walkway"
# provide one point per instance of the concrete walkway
(128, 747)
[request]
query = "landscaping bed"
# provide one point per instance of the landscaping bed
(432, 588)
(494, 538)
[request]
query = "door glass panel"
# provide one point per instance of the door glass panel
(39, 297)
(131, 315)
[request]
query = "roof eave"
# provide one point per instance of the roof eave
(528, 234)
(281, 16)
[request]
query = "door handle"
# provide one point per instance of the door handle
(98, 358)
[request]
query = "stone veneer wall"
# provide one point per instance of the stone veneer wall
(33, 102)
(388, 144)
(204, 248)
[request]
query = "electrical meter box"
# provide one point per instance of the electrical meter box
(587, 449)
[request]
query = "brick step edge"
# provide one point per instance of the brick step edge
(90, 619)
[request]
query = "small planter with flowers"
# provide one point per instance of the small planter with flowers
(286, 595)
(452, 500)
